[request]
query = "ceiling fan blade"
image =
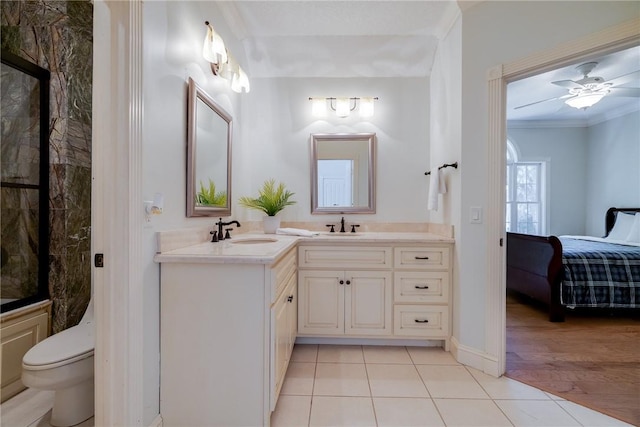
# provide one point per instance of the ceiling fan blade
(569, 84)
(632, 92)
(625, 78)
(543, 100)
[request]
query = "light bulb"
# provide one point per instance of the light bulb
(318, 107)
(366, 107)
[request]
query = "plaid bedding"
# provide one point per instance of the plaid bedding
(599, 274)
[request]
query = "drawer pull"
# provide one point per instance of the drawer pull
(290, 298)
(421, 321)
(422, 257)
(421, 287)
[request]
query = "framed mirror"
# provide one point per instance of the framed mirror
(343, 173)
(209, 130)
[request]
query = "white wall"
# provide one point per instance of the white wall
(277, 128)
(614, 169)
(565, 150)
(497, 32)
(446, 143)
(173, 35)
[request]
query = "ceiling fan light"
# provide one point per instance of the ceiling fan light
(586, 100)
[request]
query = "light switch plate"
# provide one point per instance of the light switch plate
(476, 215)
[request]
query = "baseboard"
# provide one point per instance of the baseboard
(157, 421)
(474, 358)
(369, 341)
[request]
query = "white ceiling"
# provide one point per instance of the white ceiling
(394, 38)
(339, 38)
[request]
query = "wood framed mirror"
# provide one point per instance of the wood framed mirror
(209, 134)
(343, 173)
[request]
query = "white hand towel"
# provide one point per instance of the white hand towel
(442, 185)
(296, 232)
(434, 186)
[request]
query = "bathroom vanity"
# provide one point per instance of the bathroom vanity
(231, 312)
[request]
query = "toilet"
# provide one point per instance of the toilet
(64, 363)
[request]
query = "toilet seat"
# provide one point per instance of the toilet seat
(63, 348)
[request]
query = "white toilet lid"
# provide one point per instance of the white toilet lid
(72, 344)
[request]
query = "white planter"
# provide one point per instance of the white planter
(271, 224)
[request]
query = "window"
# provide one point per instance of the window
(525, 194)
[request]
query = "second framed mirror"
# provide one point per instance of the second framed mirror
(343, 173)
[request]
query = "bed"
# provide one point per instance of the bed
(579, 271)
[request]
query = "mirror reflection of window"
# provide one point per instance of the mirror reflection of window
(335, 183)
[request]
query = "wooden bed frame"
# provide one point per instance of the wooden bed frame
(534, 265)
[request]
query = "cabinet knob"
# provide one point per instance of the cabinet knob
(290, 298)
(342, 282)
(348, 282)
(422, 257)
(421, 287)
(421, 321)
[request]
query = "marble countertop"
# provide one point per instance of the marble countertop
(259, 248)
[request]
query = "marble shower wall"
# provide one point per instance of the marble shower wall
(58, 36)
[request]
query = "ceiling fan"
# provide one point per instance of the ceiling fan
(588, 90)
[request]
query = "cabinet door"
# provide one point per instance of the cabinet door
(321, 302)
(280, 311)
(292, 316)
(368, 303)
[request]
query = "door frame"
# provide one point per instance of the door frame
(117, 214)
(618, 37)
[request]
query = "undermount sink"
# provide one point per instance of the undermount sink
(254, 241)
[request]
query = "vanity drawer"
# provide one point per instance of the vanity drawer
(421, 321)
(421, 286)
(422, 258)
(349, 257)
(282, 272)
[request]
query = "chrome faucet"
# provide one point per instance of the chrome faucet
(221, 224)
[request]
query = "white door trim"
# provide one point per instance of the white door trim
(117, 211)
(615, 38)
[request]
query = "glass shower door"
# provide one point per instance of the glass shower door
(24, 192)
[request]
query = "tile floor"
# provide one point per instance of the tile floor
(380, 386)
(412, 386)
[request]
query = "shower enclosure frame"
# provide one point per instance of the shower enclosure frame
(43, 76)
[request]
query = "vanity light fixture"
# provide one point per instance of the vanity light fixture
(223, 64)
(343, 106)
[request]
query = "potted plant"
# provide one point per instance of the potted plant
(271, 200)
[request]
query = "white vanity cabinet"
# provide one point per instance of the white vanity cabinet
(354, 302)
(383, 291)
(227, 332)
(284, 321)
(421, 297)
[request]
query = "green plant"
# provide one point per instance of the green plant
(209, 196)
(271, 200)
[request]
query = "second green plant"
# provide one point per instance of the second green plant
(271, 200)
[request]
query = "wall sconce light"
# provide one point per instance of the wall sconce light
(343, 106)
(223, 64)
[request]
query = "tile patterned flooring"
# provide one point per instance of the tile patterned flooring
(412, 386)
(381, 386)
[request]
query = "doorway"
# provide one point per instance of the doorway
(613, 39)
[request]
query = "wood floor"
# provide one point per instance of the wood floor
(590, 359)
